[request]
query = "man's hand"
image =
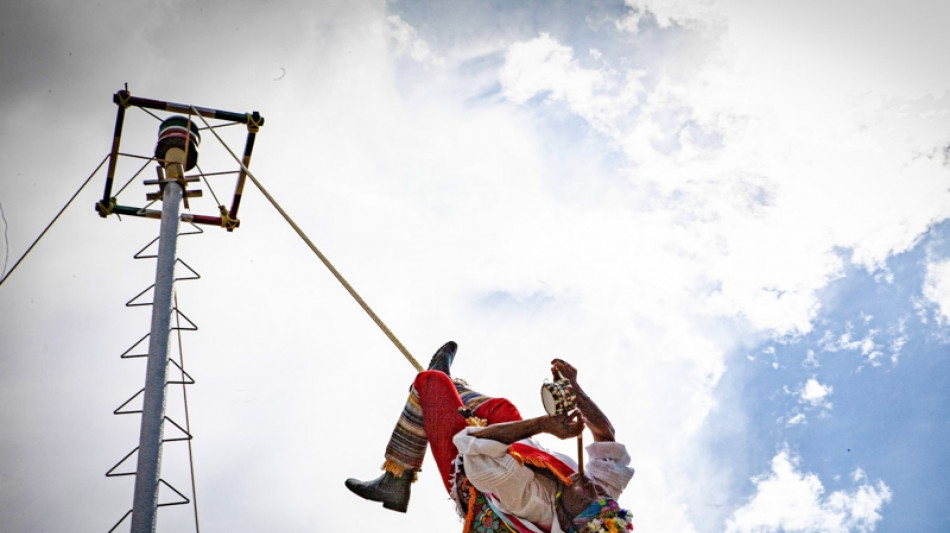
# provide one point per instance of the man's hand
(561, 426)
(564, 426)
(560, 367)
(590, 413)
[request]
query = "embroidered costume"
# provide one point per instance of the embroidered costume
(497, 487)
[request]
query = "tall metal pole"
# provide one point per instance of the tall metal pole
(145, 502)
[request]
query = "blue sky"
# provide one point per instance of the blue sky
(879, 380)
(732, 217)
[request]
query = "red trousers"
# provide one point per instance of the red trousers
(439, 400)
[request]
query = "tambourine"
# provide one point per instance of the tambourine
(558, 397)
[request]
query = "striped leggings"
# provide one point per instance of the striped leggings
(431, 418)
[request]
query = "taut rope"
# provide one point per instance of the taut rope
(336, 273)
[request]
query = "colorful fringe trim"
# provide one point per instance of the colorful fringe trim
(399, 470)
(531, 456)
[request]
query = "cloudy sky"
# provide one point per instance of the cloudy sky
(733, 217)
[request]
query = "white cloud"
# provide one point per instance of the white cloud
(937, 289)
(811, 395)
(867, 346)
(705, 134)
(407, 43)
(877, 46)
(899, 338)
(815, 394)
(666, 12)
(543, 66)
(789, 501)
(875, 345)
(798, 418)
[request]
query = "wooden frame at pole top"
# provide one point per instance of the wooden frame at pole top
(123, 99)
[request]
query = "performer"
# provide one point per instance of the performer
(499, 478)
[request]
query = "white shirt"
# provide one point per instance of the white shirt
(520, 492)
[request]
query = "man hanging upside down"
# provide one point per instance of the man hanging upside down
(500, 479)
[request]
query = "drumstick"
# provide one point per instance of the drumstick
(580, 453)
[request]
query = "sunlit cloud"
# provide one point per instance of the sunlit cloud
(407, 43)
(787, 499)
(937, 289)
(815, 394)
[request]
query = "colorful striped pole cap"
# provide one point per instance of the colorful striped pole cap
(178, 132)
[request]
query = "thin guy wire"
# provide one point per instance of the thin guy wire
(6, 240)
(156, 117)
(219, 126)
(184, 393)
(208, 183)
(136, 156)
(349, 288)
(48, 226)
(134, 176)
(219, 173)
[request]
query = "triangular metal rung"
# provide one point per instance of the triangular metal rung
(187, 436)
(194, 275)
(154, 254)
(186, 378)
(133, 303)
(119, 411)
(117, 524)
(189, 232)
(138, 255)
(112, 473)
(126, 355)
(184, 499)
(191, 325)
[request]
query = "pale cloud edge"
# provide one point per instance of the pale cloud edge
(787, 499)
(783, 304)
(936, 289)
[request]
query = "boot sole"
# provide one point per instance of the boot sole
(356, 487)
(396, 507)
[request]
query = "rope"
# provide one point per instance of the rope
(254, 122)
(349, 288)
(125, 97)
(48, 226)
